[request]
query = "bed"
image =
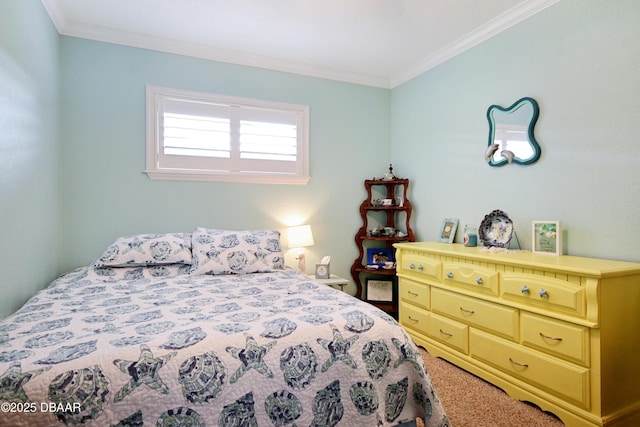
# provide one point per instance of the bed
(207, 328)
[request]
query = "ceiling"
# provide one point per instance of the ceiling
(373, 42)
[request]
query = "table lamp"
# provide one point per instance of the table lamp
(299, 237)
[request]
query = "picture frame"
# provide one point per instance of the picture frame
(448, 230)
(546, 237)
(378, 290)
(378, 256)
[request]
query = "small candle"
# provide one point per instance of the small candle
(470, 236)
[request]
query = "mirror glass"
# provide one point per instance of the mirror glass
(511, 137)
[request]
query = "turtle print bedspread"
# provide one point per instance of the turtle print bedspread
(158, 346)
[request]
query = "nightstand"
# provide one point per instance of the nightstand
(331, 281)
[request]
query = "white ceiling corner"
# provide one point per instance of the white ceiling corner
(381, 43)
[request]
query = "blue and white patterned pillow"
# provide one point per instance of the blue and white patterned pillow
(147, 250)
(236, 252)
(138, 273)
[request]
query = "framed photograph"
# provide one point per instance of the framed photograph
(547, 237)
(379, 290)
(448, 230)
(378, 256)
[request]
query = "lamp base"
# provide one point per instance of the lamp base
(302, 263)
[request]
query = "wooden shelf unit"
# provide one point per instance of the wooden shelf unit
(397, 216)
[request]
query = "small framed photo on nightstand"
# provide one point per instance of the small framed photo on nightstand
(546, 237)
(379, 290)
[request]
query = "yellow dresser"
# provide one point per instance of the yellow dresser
(560, 332)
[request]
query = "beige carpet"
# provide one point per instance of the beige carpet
(472, 402)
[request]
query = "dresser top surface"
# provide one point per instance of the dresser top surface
(583, 265)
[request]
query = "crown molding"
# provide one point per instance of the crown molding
(57, 17)
(195, 50)
(507, 20)
(518, 13)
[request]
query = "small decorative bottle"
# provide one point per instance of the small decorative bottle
(470, 235)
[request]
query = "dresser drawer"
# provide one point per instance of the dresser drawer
(499, 319)
(414, 317)
(414, 292)
(471, 277)
(555, 337)
(563, 379)
(547, 292)
(424, 267)
(450, 332)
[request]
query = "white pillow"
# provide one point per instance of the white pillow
(147, 250)
(236, 252)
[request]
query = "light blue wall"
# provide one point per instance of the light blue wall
(30, 246)
(581, 61)
(106, 193)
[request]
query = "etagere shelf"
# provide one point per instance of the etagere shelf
(395, 215)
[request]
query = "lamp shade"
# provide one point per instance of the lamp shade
(300, 236)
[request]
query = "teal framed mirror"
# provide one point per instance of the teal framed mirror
(511, 138)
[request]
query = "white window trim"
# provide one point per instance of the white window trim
(154, 96)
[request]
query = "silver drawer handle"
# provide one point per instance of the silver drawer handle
(543, 293)
(524, 365)
(464, 310)
(524, 289)
(412, 319)
(413, 294)
(449, 274)
(412, 266)
(479, 281)
(446, 333)
(420, 267)
(549, 338)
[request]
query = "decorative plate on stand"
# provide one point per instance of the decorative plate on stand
(496, 229)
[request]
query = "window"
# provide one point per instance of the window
(193, 136)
